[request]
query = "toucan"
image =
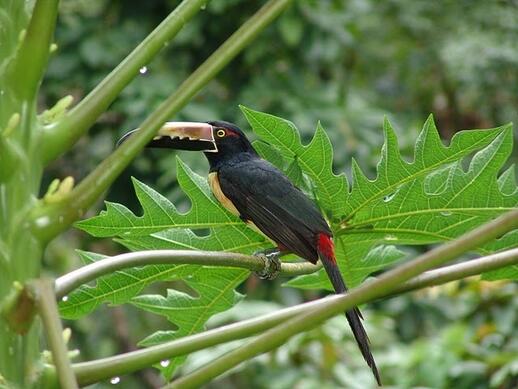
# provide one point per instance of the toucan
(264, 198)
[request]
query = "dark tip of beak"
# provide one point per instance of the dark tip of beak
(124, 138)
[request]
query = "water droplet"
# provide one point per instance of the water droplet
(42, 222)
(143, 70)
(446, 213)
(164, 363)
(389, 197)
(64, 298)
(115, 380)
(390, 237)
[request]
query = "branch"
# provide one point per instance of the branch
(31, 59)
(48, 309)
(60, 136)
(460, 270)
(85, 274)
(49, 220)
(368, 291)
(94, 371)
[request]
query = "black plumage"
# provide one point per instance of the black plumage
(264, 195)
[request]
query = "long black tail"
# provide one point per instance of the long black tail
(353, 316)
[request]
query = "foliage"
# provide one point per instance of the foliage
(430, 200)
(344, 63)
(360, 60)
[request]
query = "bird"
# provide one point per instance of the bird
(264, 198)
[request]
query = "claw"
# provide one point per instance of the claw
(272, 264)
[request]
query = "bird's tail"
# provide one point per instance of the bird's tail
(354, 316)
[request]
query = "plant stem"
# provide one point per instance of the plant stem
(94, 371)
(49, 220)
(368, 291)
(32, 57)
(460, 270)
(48, 309)
(60, 136)
(85, 274)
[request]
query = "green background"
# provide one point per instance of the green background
(346, 64)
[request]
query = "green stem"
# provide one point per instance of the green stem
(85, 274)
(460, 270)
(368, 291)
(31, 60)
(51, 219)
(94, 371)
(48, 309)
(60, 136)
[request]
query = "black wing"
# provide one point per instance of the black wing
(264, 195)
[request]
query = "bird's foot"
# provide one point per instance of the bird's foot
(272, 264)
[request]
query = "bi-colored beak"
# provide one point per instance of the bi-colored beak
(195, 136)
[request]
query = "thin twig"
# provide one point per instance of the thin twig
(460, 270)
(368, 291)
(85, 274)
(48, 310)
(94, 371)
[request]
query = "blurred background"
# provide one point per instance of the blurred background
(344, 63)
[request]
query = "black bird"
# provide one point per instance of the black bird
(264, 198)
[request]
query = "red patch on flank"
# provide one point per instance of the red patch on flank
(326, 246)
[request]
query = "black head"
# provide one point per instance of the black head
(230, 142)
(219, 140)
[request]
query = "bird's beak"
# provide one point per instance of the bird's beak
(195, 136)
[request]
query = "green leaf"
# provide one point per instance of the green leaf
(159, 213)
(116, 288)
(506, 273)
(214, 288)
(364, 259)
(315, 159)
(429, 200)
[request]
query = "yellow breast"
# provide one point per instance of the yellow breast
(218, 194)
(225, 201)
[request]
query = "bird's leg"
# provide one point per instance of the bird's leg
(272, 264)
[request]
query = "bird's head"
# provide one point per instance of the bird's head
(219, 140)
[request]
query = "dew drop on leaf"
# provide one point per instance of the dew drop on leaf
(115, 380)
(389, 197)
(64, 298)
(164, 363)
(446, 213)
(390, 237)
(143, 70)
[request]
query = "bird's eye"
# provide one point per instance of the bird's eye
(220, 133)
